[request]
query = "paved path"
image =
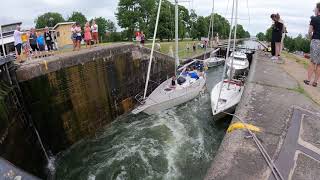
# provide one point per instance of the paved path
(273, 101)
(298, 72)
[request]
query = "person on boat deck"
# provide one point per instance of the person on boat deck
(185, 71)
(193, 74)
(173, 82)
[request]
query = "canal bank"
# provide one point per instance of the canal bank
(290, 121)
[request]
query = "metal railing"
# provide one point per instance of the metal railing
(151, 87)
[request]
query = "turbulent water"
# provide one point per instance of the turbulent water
(178, 143)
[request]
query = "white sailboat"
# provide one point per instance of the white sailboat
(174, 91)
(213, 60)
(227, 94)
(240, 63)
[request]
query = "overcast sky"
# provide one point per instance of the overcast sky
(295, 13)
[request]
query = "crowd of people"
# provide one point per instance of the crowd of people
(89, 35)
(278, 34)
(31, 42)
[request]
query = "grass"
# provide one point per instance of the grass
(183, 52)
(299, 60)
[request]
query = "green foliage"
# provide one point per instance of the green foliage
(241, 33)
(111, 27)
(268, 36)
(141, 15)
(299, 43)
(260, 36)
(202, 27)
(78, 17)
(193, 24)
(115, 37)
(135, 14)
(49, 19)
(166, 22)
(220, 25)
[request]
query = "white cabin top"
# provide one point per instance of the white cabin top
(239, 55)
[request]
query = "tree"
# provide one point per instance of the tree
(49, 19)
(241, 33)
(110, 26)
(221, 26)
(202, 27)
(78, 17)
(184, 21)
(133, 15)
(193, 25)
(268, 36)
(299, 43)
(260, 36)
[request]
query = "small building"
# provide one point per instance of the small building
(63, 33)
(8, 40)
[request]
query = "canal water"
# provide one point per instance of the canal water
(179, 143)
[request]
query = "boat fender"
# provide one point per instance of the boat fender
(239, 125)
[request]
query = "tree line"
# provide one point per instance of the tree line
(299, 43)
(134, 15)
(140, 15)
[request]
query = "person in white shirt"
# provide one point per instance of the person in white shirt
(95, 35)
(18, 42)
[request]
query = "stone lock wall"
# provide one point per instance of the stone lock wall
(70, 97)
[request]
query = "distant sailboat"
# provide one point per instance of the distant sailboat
(227, 94)
(240, 64)
(189, 83)
(213, 60)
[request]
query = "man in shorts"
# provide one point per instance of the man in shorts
(18, 43)
(94, 29)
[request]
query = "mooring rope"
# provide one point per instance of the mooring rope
(266, 156)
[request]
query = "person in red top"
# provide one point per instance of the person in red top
(138, 37)
(143, 37)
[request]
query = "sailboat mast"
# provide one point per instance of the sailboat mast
(152, 50)
(227, 54)
(212, 19)
(176, 35)
(209, 32)
(234, 42)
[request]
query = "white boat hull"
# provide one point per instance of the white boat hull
(214, 61)
(229, 98)
(160, 99)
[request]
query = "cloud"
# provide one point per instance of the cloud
(295, 13)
